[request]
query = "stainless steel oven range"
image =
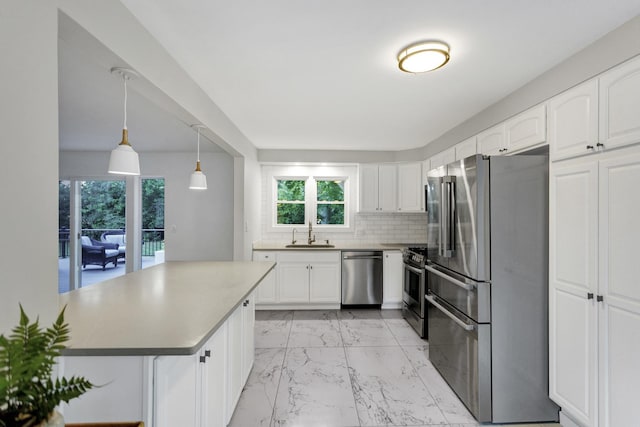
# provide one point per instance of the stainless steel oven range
(414, 289)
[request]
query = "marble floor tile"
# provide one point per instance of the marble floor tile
(388, 390)
(272, 329)
(255, 407)
(451, 406)
(404, 333)
(274, 315)
(366, 333)
(359, 313)
(391, 314)
(315, 389)
(315, 329)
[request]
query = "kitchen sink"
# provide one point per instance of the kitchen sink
(313, 245)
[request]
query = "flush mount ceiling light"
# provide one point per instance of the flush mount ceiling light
(424, 56)
(124, 160)
(198, 180)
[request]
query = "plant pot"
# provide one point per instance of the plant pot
(55, 420)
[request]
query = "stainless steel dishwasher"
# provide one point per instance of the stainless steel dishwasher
(362, 278)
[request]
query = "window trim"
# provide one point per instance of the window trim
(310, 174)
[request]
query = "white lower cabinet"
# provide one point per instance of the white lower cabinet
(392, 280)
(305, 279)
(594, 299)
(267, 291)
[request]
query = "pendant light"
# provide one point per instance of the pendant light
(124, 160)
(198, 180)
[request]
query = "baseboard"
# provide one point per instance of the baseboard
(566, 421)
(331, 306)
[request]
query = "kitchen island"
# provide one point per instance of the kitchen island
(172, 344)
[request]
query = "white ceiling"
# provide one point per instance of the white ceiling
(295, 74)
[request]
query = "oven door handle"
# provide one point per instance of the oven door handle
(463, 285)
(447, 313)
(413, 269)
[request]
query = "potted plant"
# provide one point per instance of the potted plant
(28, 393)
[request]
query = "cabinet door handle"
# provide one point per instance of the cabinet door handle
(600, 144)
(590, 295)
(589, 147)
(203, 359)
(311, 267)
(599, 298)
(207, 353)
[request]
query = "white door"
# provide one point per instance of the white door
(267, 290)
(573, 121)
(527, 129)
(234, 361)
(248, 322)
(368, 188)
(492, 141)
(572, 304)
(177, 391)
(619, 286)
(392, 279)
(388, 187)
(293, 282)
(410, 187)
(620, 105)
(466, 148)
(324, 283)
(214, 379)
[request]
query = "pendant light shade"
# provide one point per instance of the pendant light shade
(124, 160)
(198, 180)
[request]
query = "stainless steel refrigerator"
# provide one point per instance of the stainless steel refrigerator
(487, 285)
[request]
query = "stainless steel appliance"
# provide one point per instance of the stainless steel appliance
(487, 285)
(362, 278)
(414, 289)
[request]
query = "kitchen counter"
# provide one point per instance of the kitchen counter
(168, 309)
(339, 246)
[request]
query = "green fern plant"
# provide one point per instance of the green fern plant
(28, 393)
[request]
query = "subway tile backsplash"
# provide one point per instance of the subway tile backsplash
(387, 227)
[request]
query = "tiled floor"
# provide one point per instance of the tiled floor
(344, 368)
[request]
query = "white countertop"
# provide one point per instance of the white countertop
(168, 309)
(338, 246)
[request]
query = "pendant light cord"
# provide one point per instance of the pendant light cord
(125, 101)
(198, 144)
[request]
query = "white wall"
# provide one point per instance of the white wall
(28, 160)
(198, 224)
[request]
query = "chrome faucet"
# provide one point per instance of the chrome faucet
(293, 236)
(310, 240)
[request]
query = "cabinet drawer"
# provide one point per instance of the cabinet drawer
(313, 256)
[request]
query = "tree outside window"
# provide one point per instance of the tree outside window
(330, 202)
(290, 204)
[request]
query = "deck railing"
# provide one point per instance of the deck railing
(152, 239)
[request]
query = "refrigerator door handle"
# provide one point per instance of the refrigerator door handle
(448, 219)
(447, 313)
(442, 243)
(467, 286)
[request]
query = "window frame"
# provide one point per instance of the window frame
(310, 174)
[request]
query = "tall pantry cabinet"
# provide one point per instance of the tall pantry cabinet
(594, 266)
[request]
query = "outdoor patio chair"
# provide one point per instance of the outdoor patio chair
(98, 253)
(117, 237)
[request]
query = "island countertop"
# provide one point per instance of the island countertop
(168, 309)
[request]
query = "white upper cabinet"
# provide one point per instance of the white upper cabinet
(466, 148)
(378, 187)
(620, 105)
(442, 158)
(388, 187)
(526, 130)
(410, 187)
(492, 141)
(573, 121)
